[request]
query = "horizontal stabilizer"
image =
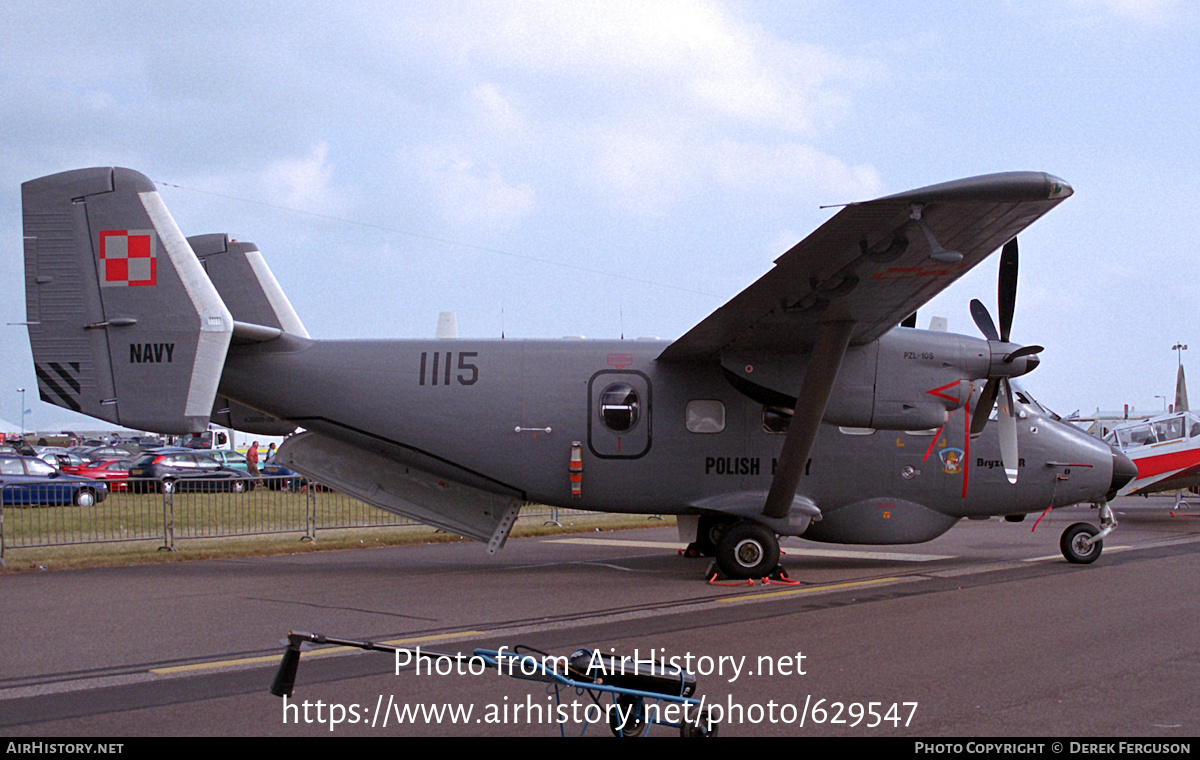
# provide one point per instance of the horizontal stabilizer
(124, 324)
(402, 490)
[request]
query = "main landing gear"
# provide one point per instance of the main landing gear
(1081, 543)
(742, 548)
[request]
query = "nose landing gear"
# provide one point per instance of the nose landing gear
(1081, 543)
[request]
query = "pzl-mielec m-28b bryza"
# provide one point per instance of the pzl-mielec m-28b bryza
(799, 408)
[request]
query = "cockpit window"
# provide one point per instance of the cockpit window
(1169, 430)
(1136, 435)
(1024, 397)
(619, 407)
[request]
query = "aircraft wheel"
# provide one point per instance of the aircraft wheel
(1076, 546)
(748, 550)
(635, 709)
(85, 497)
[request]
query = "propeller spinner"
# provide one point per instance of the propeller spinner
(1007, 360)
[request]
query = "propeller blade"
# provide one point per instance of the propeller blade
(983, 320)
(1023, 351)
(1006, 295)
(983, 409)
(1008, 431)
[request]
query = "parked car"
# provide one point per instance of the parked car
(226, 458)
(111, 451)
(115, 473)
(67, 461)
(276, 477)
(29, 480)
(184, 470)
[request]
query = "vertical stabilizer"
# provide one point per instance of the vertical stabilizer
(123, 322)
(1181, 402)
(245, 283)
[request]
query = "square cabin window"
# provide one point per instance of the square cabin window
(705, 416)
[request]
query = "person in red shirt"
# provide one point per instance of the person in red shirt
(252, 459)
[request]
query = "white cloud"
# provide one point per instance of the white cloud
(468, 192)
(494, 110)
(645, 104)
(304, 184)
(792, 169)
(669, 56)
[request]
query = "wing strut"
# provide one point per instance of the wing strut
(827, 355)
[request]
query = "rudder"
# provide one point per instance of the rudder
(123, 322)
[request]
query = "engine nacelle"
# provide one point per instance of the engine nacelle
(906, 380)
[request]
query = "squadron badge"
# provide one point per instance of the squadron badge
(952, 461)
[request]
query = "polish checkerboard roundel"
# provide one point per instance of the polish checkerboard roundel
(128, 258)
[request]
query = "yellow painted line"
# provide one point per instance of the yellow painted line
(315, 653)
(808, 590)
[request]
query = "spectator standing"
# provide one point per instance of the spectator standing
(252, 459)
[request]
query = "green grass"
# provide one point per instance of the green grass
(135, 528)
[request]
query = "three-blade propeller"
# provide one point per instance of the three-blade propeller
(1001, 348)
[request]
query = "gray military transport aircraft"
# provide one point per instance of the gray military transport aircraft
(799, 408)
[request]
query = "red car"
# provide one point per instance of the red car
(115, 472)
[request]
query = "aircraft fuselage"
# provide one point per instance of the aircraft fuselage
(520, 406)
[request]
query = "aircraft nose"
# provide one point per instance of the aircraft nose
(1124, 470)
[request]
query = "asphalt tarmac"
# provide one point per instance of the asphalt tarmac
(984, 632)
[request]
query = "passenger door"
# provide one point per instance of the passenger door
(619, 413)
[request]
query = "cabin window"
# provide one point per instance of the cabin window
(705, 416)
(619, 407)
(776, 419)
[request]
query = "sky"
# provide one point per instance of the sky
(610, 169)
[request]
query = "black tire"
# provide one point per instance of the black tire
(1075, 546)
(84, 497)
(635, 708)
(748, 550)
(701, 727)
(239, 486)
(167, 486)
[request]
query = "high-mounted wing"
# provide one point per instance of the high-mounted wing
(873, 264)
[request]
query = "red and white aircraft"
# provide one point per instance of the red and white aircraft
(1165, 448)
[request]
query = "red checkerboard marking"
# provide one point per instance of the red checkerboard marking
(128, 258)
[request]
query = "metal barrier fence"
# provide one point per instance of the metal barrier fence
(55, 515)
